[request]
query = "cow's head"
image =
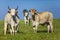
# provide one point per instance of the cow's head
(25, 12)
(13, 11)
(32, 11)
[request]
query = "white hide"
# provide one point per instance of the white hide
(9, 20)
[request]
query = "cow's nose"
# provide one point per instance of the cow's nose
(13, 16)
(12, 13)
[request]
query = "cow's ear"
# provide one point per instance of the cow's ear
(16, 12)
(8, 11)
(9, 8)
(16, 8)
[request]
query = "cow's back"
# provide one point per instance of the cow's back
(8, 18)
(45, 17)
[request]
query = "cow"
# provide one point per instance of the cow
(41, 18)
(11, 19)
(26, 17)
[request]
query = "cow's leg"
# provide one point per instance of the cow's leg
(36, 28)
(48, 28)
(33, 25)
(12, 29)
(16, 30)
(28, 21)
(5, 28)
(51, 27)
(25, 20)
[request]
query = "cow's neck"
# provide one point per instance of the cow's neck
(33, 16)
(26, 17)
(14, 19)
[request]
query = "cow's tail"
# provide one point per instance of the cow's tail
(51, 17)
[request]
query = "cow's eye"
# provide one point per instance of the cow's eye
(8, 11)
(16, 12)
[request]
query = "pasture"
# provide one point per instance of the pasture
(26, 32)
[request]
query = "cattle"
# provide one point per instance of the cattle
(26, 16)
(11, 19)
(42, 18)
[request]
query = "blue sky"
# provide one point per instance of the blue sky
(40, 5)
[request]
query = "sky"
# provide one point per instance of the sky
(40, 5)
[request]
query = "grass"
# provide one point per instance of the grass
(26, 32)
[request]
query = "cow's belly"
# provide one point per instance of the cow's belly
(42, 21)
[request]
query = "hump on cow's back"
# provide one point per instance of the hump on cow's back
(8, 14)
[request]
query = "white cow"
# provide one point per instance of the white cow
(12, 19)
(42, 18)
(26, 17)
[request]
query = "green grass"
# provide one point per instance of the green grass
(26, 32)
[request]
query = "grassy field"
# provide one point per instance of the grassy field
(26, 32)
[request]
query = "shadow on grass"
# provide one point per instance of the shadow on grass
(18, 32)
(41, 31)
